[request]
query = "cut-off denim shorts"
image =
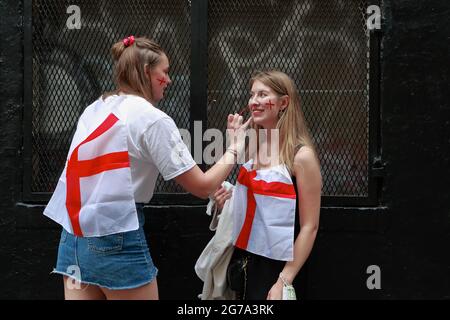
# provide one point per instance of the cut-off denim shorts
(116, 262)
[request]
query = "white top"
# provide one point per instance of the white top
(118, 149)
(264, 211)
(154, 145)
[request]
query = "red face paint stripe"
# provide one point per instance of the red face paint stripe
(77, 169)
(270, 104)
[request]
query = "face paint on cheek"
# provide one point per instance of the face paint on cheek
(270, 105)
(162, 81)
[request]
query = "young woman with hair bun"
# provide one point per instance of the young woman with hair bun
(121, 144)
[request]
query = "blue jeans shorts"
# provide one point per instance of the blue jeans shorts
(119, 261)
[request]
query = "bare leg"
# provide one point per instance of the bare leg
(146, 292)
(80, 291)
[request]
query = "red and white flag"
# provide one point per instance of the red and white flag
(94, 195)
(264, 212)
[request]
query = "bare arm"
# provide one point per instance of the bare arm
(309, 186)
(202, 184)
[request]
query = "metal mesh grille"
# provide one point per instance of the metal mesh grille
(324, 47)
(72, 68)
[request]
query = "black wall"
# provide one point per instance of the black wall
(407, 235)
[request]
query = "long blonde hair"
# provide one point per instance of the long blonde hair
(129, 66)
(292, 126)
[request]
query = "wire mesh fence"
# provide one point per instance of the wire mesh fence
(322, 45)
(72, 68)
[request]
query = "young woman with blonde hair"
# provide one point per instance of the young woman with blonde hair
(121, 145)
(276, 200)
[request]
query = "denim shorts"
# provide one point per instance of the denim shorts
(119, 261)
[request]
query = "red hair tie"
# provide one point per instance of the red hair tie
(128, 41)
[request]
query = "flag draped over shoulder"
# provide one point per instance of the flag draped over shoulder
(94, 195)
(264, 212)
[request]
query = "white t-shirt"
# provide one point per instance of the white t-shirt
(154, 145)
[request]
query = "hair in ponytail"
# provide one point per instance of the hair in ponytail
(131, 56)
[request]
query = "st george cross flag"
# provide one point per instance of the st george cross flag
(94, 195)
(264, 212)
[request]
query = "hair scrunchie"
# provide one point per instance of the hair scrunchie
(128, 41)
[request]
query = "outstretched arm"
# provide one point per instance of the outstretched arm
(202, 184)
